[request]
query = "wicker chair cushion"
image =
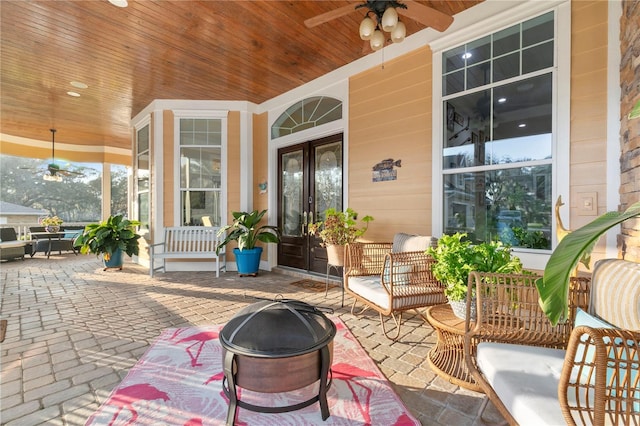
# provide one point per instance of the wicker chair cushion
(401, 273)
(615, 294)
(526, 380)
(407, 242)
(370, 288)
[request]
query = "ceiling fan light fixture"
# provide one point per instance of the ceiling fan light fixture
(377, 40)
(52, 178)
(119, 3)
(399, 32)
(389, 19)
(367, 27)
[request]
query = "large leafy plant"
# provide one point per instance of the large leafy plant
(340, 227)
(107, 236)
(247, 231)
(575, 247)
(456, 257)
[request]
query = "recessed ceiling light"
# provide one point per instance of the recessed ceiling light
(78, 85)
(502, 100)
(119, 3)
(74, 94)
(466, 55)
(522, 125)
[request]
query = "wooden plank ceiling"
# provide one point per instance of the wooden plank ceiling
(248, 50)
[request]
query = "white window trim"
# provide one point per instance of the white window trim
(532, 259)
(202, 114)
(135, 210)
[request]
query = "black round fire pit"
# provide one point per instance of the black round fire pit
(277, 346)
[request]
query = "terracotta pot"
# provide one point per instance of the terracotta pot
(335, 255)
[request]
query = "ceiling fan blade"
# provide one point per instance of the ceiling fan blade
(426, 15)
(328, 16)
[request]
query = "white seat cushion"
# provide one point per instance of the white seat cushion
(8, 244)
(370, 288)
(526, 380)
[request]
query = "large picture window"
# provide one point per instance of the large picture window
(200, 171)
(498, 135)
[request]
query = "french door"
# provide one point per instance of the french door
(309, 182)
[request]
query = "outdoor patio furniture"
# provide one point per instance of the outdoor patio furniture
(10, 247)
(583, 371)
(187, 242)
(392, 278)
(48, 242)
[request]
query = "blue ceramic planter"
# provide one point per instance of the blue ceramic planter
(248, 260)
(115, 261)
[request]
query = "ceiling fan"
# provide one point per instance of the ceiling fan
(418, 12)
(54, 172)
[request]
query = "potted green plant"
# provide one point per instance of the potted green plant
(111, 239)
(247, 231)
(51, 223)
(338, 229)
(575, 247)
(456, 257)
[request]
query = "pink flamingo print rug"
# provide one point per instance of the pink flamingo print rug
(178, 381)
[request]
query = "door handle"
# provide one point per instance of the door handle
(304, 223)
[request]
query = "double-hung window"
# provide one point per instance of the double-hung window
(201, 155)
(498, 135)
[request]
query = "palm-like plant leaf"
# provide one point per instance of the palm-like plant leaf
(246, 231)
(553, 287)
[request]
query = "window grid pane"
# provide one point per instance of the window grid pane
(200, 171)
(504, 131)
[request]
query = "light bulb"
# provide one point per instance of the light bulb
(377, 40)
(52, 178)
(367, 26)
(389, 19)
(399, 32)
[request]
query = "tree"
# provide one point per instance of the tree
(77, 198)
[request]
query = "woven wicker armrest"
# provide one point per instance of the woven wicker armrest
(600, 380)
(362, 259)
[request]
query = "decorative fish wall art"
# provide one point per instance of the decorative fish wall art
(385, 170)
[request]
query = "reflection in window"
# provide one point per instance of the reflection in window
(292, 187)
(200, 171)
(142, 179)
(119, 190)
(328, 178)
(512, 205)
(504, 131)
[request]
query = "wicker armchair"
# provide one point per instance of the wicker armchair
(574, 374)
(391, 281)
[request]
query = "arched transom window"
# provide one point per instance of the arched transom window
(308, 113)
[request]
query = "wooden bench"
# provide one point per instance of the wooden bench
(187, 242)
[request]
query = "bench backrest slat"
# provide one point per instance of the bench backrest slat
(185, 239)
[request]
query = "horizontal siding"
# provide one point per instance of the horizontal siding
(588, 109)
(390, 117)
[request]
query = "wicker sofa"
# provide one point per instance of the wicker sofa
(584, 371)
(392, 278)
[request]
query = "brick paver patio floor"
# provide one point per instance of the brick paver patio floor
(74, 331)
